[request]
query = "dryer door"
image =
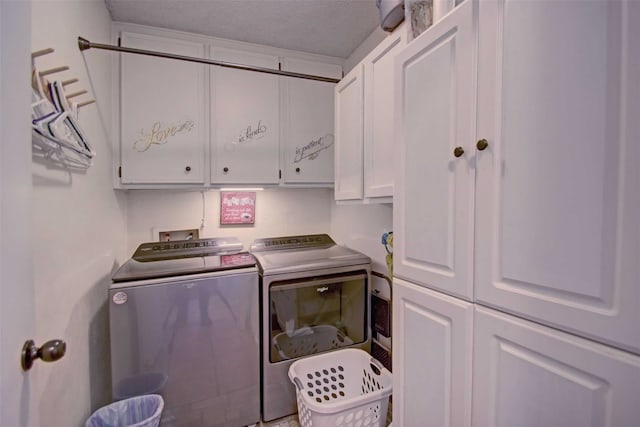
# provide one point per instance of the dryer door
(316, 314)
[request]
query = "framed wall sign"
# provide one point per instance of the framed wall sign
(237, 207)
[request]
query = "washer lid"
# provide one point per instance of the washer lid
(137, 270)
(292, 242)
(307, 258)
(166, 259)
(160, 251)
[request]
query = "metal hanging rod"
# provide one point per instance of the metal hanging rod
(84, 44)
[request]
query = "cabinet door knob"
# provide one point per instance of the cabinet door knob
(225, 169)
(458, 151)
(298, 170)
(188, 168)
(482, 144)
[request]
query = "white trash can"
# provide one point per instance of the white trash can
(139, 411)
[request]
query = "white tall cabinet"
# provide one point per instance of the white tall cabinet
(432, 374)
(557, 197)
(433, 201)
(517, 193)
(526, 374)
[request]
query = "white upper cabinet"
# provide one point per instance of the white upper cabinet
(349, 135)
(379, 134)
(525, 374)
(365, 136)
(308, 133)
(558, 198)
(245, 120)
(186, 124)
(434, 176)
(163, 119)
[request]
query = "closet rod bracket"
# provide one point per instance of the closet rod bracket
(83, 44)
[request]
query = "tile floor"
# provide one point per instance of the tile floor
(292, 420)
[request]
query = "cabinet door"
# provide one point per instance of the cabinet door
(432, 353)
(558, 200)
(525, 374)
(349, 127)
(379, 135)
(163, 122)
(245, 117)
(308, 123)
(433, 200)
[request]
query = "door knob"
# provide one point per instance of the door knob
(482, 144)
(458, 151)
(49, 352)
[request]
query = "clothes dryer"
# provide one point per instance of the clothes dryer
(315, 298)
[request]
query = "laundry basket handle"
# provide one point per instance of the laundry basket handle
(298, 383)
(376, 366)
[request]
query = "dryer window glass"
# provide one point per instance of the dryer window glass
(313, 315)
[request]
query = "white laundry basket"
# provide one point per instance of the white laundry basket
(341, 388)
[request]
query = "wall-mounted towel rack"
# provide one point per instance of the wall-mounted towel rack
(84, 44)
(56, 134)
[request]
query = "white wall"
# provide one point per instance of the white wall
(373, 40)
(279, 212)
(78, 220)
(361, 227)
(17, 324)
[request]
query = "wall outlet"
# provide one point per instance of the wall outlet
(172, 235)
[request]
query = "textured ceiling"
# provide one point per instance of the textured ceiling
(328, 27)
